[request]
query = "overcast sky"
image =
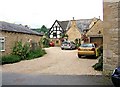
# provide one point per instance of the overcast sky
(36, 13)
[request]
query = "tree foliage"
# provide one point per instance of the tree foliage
(43, 29)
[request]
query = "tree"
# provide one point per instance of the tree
(37, 30)
(44, 29)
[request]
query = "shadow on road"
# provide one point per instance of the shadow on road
(27, 79)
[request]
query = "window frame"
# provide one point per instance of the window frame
(2, 39)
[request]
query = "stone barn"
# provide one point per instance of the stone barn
(10, 33)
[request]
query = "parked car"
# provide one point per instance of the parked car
(51, 44)
(116, 77)
(68, 45)
(87, 49)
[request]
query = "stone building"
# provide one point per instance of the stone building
(10, 33)
(73, 28)
(95, 34)
(73, 31)
(79, 27)
(111, 32)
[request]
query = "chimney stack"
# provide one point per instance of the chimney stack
(73, 18)
(99, 17)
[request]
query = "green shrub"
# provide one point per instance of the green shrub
(21, 50)
(99, 51)
(64, 35)
(17, 49)
(36, 53)
(25, 50)
(99, 66)
(77, 45)
(44, 42)
(10, 59)
(77, 42)
(34, 45)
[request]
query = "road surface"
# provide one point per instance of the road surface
(57, 67)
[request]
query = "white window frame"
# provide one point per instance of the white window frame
(2, 39)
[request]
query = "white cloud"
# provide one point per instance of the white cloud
(35, 13)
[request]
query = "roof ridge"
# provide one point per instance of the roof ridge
(11, 27)
(64, 21)
(79, 19)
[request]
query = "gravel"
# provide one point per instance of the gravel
(55, 62)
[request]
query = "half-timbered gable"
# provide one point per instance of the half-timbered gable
(58, 28)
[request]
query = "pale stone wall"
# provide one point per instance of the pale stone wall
(94, 20)
(73, 32)
(119, 33)
(94, 31)
(11, 38)
(57, 42)
(110, 36)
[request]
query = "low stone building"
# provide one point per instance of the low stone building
(95, 34)
(10, 33)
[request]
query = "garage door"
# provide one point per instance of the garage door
(98, 40)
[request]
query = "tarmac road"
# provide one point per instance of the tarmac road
(25, 79)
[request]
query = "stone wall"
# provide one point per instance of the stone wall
(12, 37)
(95, 34)
(94, 31)
(57, 42)
(73, 32)
(119, 32)
(110, 36)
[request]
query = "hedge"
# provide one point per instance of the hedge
(10, 59)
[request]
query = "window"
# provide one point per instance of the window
(57, 42)
(2, 44)
(54, 34)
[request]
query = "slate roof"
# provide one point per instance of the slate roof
(82, 24)
(63, 24)
(4, 26)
